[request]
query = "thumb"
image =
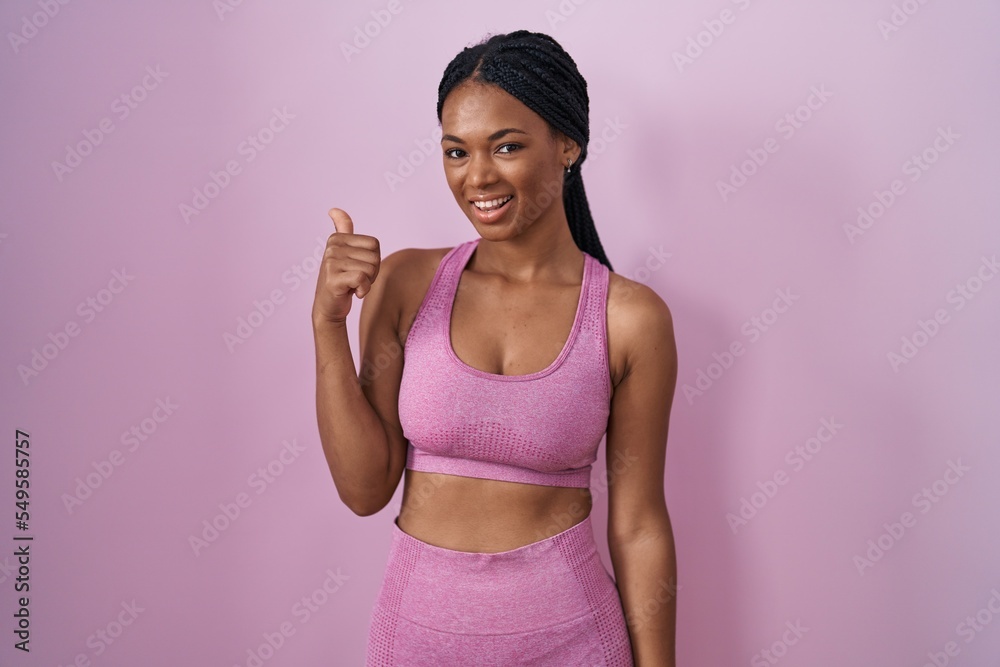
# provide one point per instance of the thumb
(341, 221)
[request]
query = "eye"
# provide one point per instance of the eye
(449, 152)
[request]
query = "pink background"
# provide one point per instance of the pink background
(663, 136)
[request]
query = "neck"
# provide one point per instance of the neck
(543, 253)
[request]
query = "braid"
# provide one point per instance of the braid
(535, 69)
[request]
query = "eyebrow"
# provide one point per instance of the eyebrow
(493, 137)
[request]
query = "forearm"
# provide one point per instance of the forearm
(353, 437)
(646, 575)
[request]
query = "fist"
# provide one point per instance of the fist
(349, 266)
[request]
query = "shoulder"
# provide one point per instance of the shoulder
(408, 273)
(640, 324)
(407, 266)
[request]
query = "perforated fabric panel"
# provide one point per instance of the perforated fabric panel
(550, 603)
(540, 428)
(604, 601)
(385, 614)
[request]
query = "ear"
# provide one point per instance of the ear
(570, 149)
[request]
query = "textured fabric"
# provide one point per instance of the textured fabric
(551, 603)
(540, 428)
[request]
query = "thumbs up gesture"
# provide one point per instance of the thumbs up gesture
(350, 265)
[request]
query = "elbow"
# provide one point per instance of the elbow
(365, 509)
(363, 504)
(365, 494)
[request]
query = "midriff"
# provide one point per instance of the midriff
(485, 515)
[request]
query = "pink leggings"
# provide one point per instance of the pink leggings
(551, 602)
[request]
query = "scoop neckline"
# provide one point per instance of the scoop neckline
(556, 363)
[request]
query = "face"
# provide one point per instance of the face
(495, 147)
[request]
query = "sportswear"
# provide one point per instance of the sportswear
(539, 428)
(551, 603)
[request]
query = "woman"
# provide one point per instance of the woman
(497, 414)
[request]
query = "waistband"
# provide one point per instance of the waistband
(553, 581)
(577, 538)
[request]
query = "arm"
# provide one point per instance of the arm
(358, 414)
(640, 537)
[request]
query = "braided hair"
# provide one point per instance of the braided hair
(534, 68)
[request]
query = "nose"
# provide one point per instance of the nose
(481, 171)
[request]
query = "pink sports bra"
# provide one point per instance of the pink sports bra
(540, 428)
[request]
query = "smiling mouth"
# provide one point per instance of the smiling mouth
(492, 205)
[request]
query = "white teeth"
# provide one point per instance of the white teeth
(487, 205)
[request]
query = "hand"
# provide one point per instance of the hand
(350, 265)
